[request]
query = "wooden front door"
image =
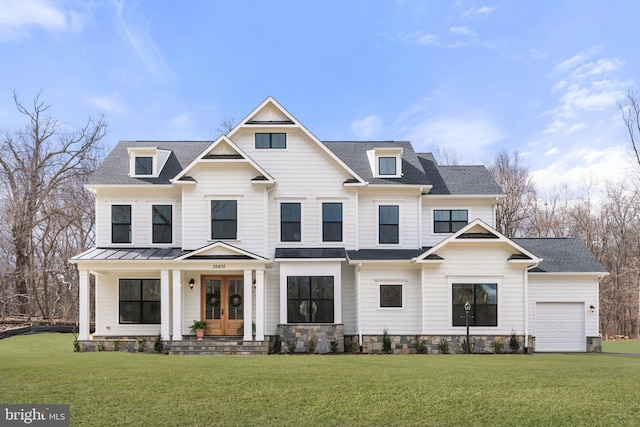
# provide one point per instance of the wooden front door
(223, 304)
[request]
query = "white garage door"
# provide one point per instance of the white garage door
(560, 326)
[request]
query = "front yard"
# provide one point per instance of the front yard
(148, 389)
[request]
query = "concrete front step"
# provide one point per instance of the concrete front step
(218, 346)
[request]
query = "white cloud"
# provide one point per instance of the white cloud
(581, 165)
(367, 128)
(138, 35)
(181, 120)
(462, 30)
(551, 152)
(469, 135)
(109, 104)
(18, 17)
(475, 11)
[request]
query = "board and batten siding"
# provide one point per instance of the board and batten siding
(397, 321)
(476, 209)
(473, 263)
(548, 287)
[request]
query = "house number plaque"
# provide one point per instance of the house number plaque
(218, 266)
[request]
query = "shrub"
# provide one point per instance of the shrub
(311, 345)
(158, 346)
(291, 347)
(100, 347)
(116, 345)
(465, 344)
(141, 344)
(497, 345)
(354, 345)
(277, 344)
(443, 346)
(334, 346)
(421, 347)
(513, 342)
(386, 343)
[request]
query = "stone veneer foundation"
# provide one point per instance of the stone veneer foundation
(322, 335)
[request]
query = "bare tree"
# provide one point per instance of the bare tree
(514, 211)
(226, 125)
(630, 109)
(446, 156)
(41, 165)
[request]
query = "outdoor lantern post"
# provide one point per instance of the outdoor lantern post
(467, 309)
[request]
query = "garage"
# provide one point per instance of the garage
(560, 326)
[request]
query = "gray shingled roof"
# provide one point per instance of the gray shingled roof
(354, 154)
(115, 168)
(385, 254)
(469, 179)
(561, 255)
(418, 169)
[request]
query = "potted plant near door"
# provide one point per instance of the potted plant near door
(199, 327)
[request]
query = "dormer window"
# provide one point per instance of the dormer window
(147, 162)
(387, 165)
(386, 162)
(144, 165)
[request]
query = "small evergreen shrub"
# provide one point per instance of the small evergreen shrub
(100, 347)
(354, 345)
(291, 347)
(443, 346)
(421, 347)
(141, 344)
(76, 343)
(311, 345)
(277, 344)
(116, 345)
(513, 342)
(465, 345)
(158, 346)
(497, 345)
(386, 343)
(334, 346)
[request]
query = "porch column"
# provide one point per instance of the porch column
(177, 305)
(260, 305)
(165, 305)
(84, 305)
(248, 333)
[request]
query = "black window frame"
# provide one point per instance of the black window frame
(384, 227)
(121, 226)
(387, 290)
(270, 140)
(332, 228)
(449, 225)
(149, 310)
(480, 310)
(162, 224)
(299, 299)
(290, 228)
(388, 160)
(143, 169)
(222, 221)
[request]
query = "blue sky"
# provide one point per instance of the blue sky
(474, 77)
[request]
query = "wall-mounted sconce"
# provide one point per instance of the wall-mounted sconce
(191, 283)
(254, 283)
(592, 309)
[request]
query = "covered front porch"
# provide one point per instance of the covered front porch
(146, 292)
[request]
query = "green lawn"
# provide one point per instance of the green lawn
(632, 346)
(147, 389)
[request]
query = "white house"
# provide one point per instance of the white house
(323, 240)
